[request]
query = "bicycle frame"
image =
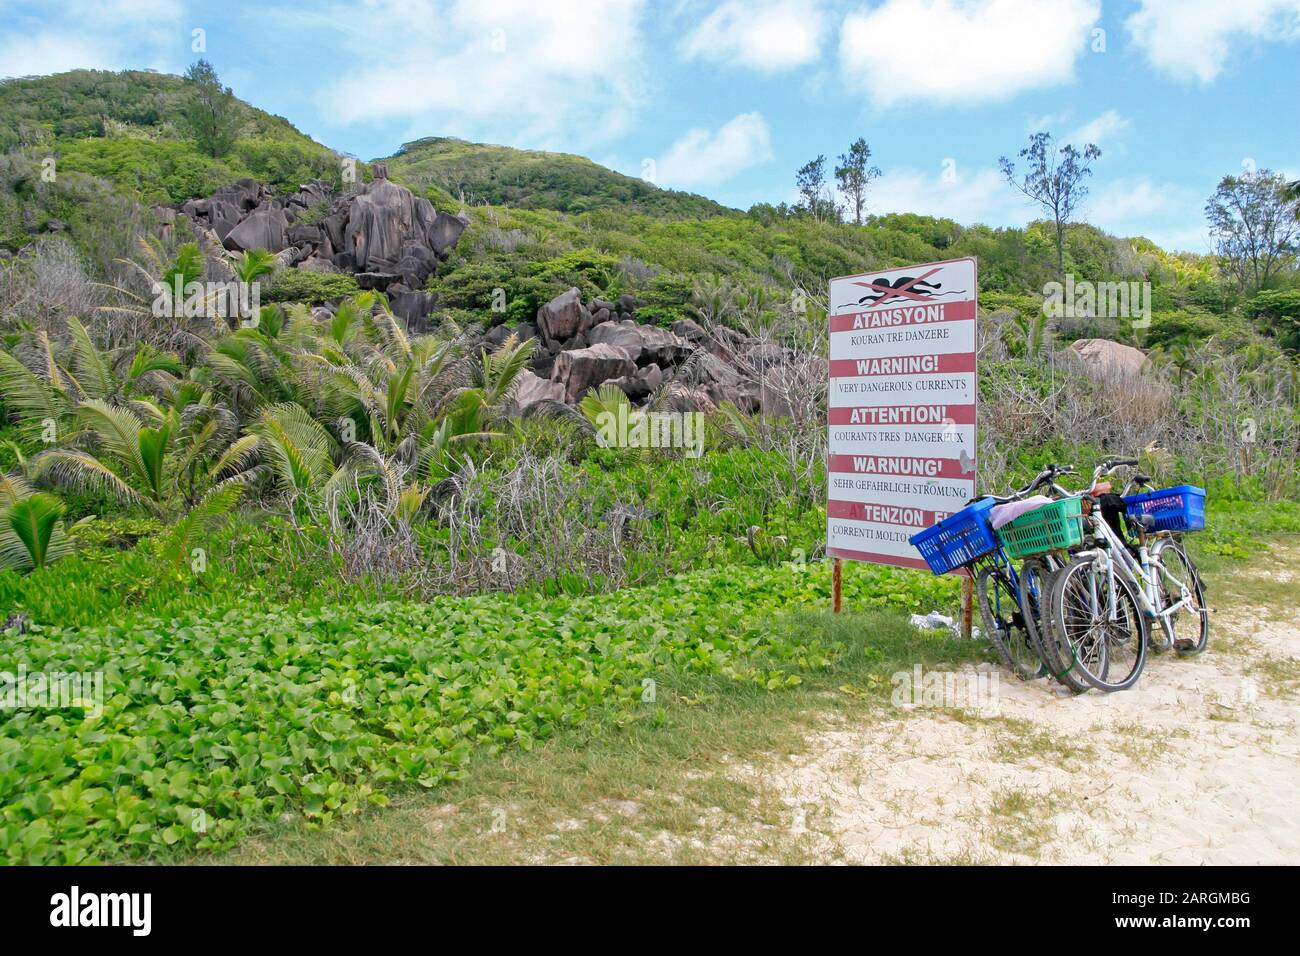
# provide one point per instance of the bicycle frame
(1143, 573)
(998, 558)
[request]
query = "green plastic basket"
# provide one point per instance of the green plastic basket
(1049, 528)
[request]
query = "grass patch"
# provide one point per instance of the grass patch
(1139, 743)
(1019, 821)
(665, 785)
(1017, 740)
(1278, 675)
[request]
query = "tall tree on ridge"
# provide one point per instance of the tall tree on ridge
(811, 183)
(854, 175)
(1055, 180)
(211, 114)
(1254, 225)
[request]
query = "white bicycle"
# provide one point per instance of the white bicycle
(1103, 601)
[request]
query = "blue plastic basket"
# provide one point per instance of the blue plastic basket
(1181, 508)
(958, 539)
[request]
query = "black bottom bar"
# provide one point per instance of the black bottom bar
(213, 905)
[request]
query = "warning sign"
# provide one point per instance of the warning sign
(902, 407)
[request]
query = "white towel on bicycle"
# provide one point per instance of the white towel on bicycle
(1000, 515)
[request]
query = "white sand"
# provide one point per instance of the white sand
(1198, 764)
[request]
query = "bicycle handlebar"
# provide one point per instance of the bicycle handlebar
(1109, 464)
(1047, 475)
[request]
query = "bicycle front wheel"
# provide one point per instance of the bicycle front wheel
(1103, 627)
(1004, 624)
(1036, 578)
(1189, 626)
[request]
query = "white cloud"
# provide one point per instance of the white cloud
(772, 35)
(1100, 130)
(703, 158)
(1190, 39)
(39, 39)
(1134, 197)
(1166, 213)
(538, 68)
(980, 195)
(43, 53)
(950, 51)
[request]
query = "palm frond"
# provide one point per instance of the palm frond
(94, 373)
(118, 429)
(81, 470)
(13, 488)
(27, 394)
(298, 448)
(236, 458)
(204, 516)
(30, 536)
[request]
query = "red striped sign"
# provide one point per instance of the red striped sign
(903, 407)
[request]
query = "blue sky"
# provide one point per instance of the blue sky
(729, 98)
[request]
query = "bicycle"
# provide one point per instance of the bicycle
(1040, 538)
(1010, 607)
(1102, 602)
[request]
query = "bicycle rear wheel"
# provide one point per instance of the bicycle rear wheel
(1105, 630)
(1189, 626)
(1005, 625)
(1036, 578)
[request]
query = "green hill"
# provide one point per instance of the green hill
(126, 128)
(85, 153)
(540, 221)
(531, 179)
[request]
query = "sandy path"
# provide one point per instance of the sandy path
(1198, 764)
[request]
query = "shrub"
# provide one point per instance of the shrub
(665, 299)
(1280, 311)
(302, 285)
(251, 713)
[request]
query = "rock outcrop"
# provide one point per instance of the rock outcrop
(580, 370)
(563, 317)
(391, 240)
(644, 343)
(529, 390)
(1103, 355)
(382, 232)
(262, 229)
(585, 345)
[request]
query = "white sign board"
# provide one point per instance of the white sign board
(902, 407)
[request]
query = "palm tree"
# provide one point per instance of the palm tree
(254, 264)
(205, 514)
(251, 369)
(300, 454)
(150, 456)
(32, 534)
(42, 388)
(39, 396)
(132, 466)
(134, 318)
(395, 388)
